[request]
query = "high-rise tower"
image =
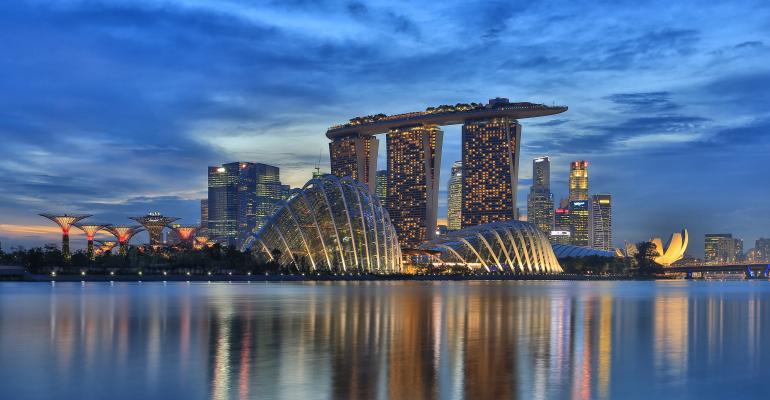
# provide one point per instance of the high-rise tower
(455, 197)
(578, 222)
(382, 185)
(355, 156)
(490, 149)
(242, 195)
(414, 161)
(600, 222)
(578, 180)
(540, 211)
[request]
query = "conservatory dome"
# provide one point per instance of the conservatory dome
(332, 224)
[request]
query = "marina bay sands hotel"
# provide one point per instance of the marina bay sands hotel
(491, 137)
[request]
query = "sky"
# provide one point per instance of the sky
(116, 108)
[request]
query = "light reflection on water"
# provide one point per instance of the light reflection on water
(404, 340)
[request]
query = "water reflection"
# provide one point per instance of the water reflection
(474, 340)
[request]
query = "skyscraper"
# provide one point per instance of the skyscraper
(455, 197)
(540, 209)
(578, 222)
(204, 216)
(382, 185)
(600, 222)
(578, 180)
(490, 149)
(223, 202)
(561, 233)
(762, 248)
(414, 160)
(737, 249)
(242, 195)
(719, 248)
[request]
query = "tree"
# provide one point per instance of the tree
(645, 259)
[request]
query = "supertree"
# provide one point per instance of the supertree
(106, 246)
(65, 222)
(91, 230)
(154, 223)
(124, 233)
(185, 232)
(200, 241)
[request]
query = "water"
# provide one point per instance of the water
(367, 340)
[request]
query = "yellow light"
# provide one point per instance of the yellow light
(221, 169)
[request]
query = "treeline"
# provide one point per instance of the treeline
(641, 264)
(174, 260)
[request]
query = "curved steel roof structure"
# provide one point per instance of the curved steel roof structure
(332, 224)
(512, 246)
(564, 251)
(444, 115)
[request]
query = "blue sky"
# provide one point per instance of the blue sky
(116, 107)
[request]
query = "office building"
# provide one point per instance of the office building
(204, 216)
(762, 249)
(540, 207)
(414, 165)
(738, 249)
(241, 197)
(578, 180)
(490, 149)
(455, 197)
(578, 218)
(600, 222)
(561, 232)
(719, 248)
(382, 186)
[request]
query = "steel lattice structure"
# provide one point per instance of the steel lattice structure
(65, 222)
(154, 223)
(106, 246)
(124, 233)
(332, 224)
(186, 232)
(511, 246)
(91, 229)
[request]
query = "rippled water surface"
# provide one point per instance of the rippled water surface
(403, 340)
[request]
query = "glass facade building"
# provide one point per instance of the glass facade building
(719, 248)
(455, 197)
(382, 186)
(333, 225)
(600, 222)
(540, 207)
(512, 246)
(578, 223)
(490, 150)
(241, 197)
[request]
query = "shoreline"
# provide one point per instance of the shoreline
(319, 278)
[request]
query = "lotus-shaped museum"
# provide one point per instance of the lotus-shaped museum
(332, 224)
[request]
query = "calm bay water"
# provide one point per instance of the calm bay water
(370, 340)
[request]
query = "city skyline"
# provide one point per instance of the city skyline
(627, 122)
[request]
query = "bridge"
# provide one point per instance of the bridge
(752, 269)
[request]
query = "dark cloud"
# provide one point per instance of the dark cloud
(118, 107)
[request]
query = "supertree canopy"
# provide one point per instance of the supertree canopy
(154, 223)
(91, 230)
(65, 222)
(186, 232)
(124, 233)
(105, 246)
